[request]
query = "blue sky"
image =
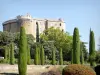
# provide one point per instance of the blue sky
(76, 13)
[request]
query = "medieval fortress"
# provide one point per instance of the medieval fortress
(30, 24)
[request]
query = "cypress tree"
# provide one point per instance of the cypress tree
(39, 60)
(76, 47)
(82, 54)
(61, 57)
(37, 32)
(28, 55)
(92, 54)
(53, 56)
(11, 53)
(72, 56)
(22, 62)
(42, 56)
(36, 60)
(6, 53)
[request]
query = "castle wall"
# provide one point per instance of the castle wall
(30, 24)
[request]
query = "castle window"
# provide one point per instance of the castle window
(60, 24)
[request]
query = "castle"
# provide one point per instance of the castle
(30, 24)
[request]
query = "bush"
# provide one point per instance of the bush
(97, 70)
(51, 73)
(67, 63)
(76, 69)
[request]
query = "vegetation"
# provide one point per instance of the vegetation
(36, 59)
(37, 32)
(28, 56)
(61, 57)
(76, 47)
(22, 62)
(12, 54)
(42, 56)
(77, 69)
(53, 56)
(92, 53)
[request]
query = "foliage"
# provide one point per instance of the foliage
(76, 69)
(76, 46)
(64, 41)
(12, 54)
(92, 53)
(36, 59)
(61, 57)
(37, 33)
(22, 62)
(53, 56)
(42, 56)
(28, 55)
(97, 57)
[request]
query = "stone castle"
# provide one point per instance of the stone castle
(30, 24)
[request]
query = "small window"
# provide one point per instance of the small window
(60, 24)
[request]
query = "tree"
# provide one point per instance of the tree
(37, 32)
(76, 46)
(92, 54)
(53, 56)
(36, 60)
(12, 54)
(39, 60)
(28, 56)
(61, 57)
(22, 61)
(64, 41)
(42, 56)
(6, 53)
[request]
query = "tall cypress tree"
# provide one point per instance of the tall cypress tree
(82, 54)
(39, 59)
(92, 53)
(6, 53)
(36, 59)
(61, 57)
(12, 54)
(72, 56)
(28, 56)
(53, 56)
(37, 32)
(42, 56)
(22, 61)
(76, 47)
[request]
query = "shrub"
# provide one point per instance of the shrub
(97, 70)
(77, 69)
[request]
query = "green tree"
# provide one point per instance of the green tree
(6, 53)
(22, 61)
(61, 57)
(42, 56)
(53, 56)
(76, 46)
(36, 60)
(28, 56)
(72, 56)
(64, 41)
(37, 32)
(39, 60)
(12, 54)
(92, 53)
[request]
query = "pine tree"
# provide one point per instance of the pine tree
(28, 56)
(22, 61)
(61, 57)
(76, 47)
(36, 60)
(42, 56)
(37, 32)
(53, 57)
(12, 54)
(92, 53)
